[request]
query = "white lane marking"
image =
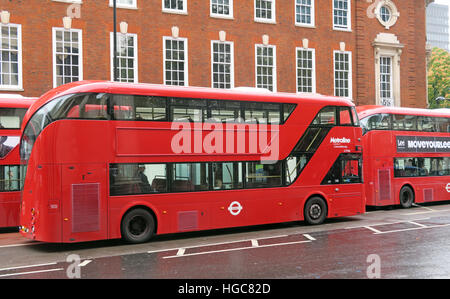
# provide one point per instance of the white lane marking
(18, 245)
(373, 229)
(27, 266)
(418, 224)
(386, 223)
(235, 249)
(213, 244)
(255, 243)
(181, 251)
(308, 236)
(84, 263)
(429, 210)
(31, 272)
(413, 228)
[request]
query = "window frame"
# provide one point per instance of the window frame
(386, 100)
(349, 17)
(186, 60)
(313, 69)
(124, 5)
(135, 58)
(175, 10)
(274, 66)
(19, 86)
(222, 63)
(312, 24)
(80, 52)
(272, 20)
(349, 77)
(221, 16)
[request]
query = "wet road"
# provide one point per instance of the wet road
(413, 243)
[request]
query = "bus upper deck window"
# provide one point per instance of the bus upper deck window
(326, 117)
(345, 117)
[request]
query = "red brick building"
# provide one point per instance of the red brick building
(369, 51)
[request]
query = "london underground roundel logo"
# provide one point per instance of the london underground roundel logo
(235, 208)
(448, 188)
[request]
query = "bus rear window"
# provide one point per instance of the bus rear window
(11, 118)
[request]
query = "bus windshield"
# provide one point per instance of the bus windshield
(68, 106)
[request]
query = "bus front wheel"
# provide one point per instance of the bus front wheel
(315, 210)
(406, 197)
(138, 226)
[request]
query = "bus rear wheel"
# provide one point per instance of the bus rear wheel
(138, 226)
(315, 210)
(406, 197)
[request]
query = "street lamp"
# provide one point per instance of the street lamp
(116, 73)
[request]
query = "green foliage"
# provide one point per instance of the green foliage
(439, 79)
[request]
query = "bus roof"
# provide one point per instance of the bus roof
(16, 102)
(364, 111)
(185, 92)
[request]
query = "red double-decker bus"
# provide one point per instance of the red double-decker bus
(406, 155)
(111, 160)
(12, 111)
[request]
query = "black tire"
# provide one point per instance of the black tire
(315, 211)
(406, 197)
(138, 226)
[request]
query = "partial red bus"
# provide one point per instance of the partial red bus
(406, 155)
(12, 111)
(109, 160)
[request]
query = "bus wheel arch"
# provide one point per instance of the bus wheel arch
(138, 224)
(407, 196)
(315, 210)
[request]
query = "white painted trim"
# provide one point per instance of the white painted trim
(80, 52)
(274, 65)
(186, 58)
(123, 5)
(350, 75)
(263, 20)
(349, 18)
(221, 16)
(232, 61)
(313, 68)
(19, 86)
(175, 11)
(135, 46)
(313, 16)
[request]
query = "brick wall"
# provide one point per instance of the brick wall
(37, 18)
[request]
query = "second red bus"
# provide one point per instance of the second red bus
(406, 155)
(12, 111)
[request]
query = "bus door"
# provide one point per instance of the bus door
(84, 202)
(345, 179)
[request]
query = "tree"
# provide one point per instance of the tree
(439, 79)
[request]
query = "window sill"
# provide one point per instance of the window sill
(11, 88)
(69, 1)
(215, 16)
(305, 25)
(177, 12)
(264, 21)
(124, 6)
(342, 29)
